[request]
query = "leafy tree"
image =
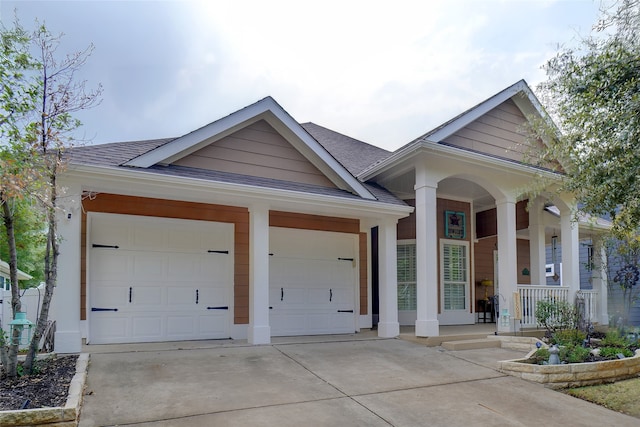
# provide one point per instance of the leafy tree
(30, 240)
(61, 96)
(33, 154)
(592, 93)
(17, 100)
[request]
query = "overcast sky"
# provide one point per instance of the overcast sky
(384, 72)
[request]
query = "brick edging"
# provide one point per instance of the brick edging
(61, 416)
(573, 374)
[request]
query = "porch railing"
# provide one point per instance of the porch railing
(531, 294)
(590, 298)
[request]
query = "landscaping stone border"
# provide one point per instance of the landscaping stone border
(573, 374)
(64, 416)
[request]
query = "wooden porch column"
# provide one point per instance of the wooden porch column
(507, 260)
(537, 243)
(570, 242)
(259, 331)
(426, 255)
(388, 326)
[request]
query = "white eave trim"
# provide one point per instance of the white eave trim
(251, 193)
(433, 147)
(267, 109)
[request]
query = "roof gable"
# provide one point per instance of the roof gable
(256, 150)
(527, 103)
(491, 130)
(270, 112)
(498, 133)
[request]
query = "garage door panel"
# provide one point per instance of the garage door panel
(180, 325)
(147, 267)
(215, 296)
(110, 326)
(110, 295)
(309, 283)
(147, 327)
(160, 279)
(148, 237)
(214, 324)
(152, 296)
(181, 296)
(214, 267)
(112, 266)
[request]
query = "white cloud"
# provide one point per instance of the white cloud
(379, 71)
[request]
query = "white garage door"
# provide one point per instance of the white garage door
(157, 279)
(313, 278)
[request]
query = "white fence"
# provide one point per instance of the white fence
(530, 295)
(31, 300)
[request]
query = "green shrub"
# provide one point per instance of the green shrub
(612, 352)
(569, 337)
(556, 315)
(614, 338)
(574, 353)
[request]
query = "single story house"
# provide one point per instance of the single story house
(256, 226)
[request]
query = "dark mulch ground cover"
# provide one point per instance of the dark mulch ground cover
(46, 388)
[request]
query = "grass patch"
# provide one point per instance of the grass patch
(621, 396)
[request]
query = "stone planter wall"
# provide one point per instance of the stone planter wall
(573, 374)
(65, 416)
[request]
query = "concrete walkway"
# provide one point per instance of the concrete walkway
(346, 380)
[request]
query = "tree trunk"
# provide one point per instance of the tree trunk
(11, 353)
(50, 268)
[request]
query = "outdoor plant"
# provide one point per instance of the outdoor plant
(569, 337)
(556, 315)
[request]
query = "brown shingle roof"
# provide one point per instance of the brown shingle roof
(353, 154)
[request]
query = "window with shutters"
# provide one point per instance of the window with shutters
(406, 277)
(455, 275)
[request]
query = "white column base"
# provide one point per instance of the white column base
(68, 342)
(259, 335)
(388, 329)
(427, 328)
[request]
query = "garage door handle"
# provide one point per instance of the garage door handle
(345, 311)
(222, 307)
(330, 294)
(95, 245)
(103, 309)
(197, 296)
(281, 294)
(218, 252)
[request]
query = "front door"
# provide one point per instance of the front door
(455, 295)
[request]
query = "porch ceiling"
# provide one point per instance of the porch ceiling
(455, 188)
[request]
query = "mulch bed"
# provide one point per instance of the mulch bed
(46, 388)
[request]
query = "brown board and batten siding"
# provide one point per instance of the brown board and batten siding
(128, 205)
(257, 150)
(333, 224)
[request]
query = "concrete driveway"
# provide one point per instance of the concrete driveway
(368, 382)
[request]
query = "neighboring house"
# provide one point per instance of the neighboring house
(6, 314)
(257, 226)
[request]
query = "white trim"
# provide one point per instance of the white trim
(243, 195)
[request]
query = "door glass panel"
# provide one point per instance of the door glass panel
(455, 276)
